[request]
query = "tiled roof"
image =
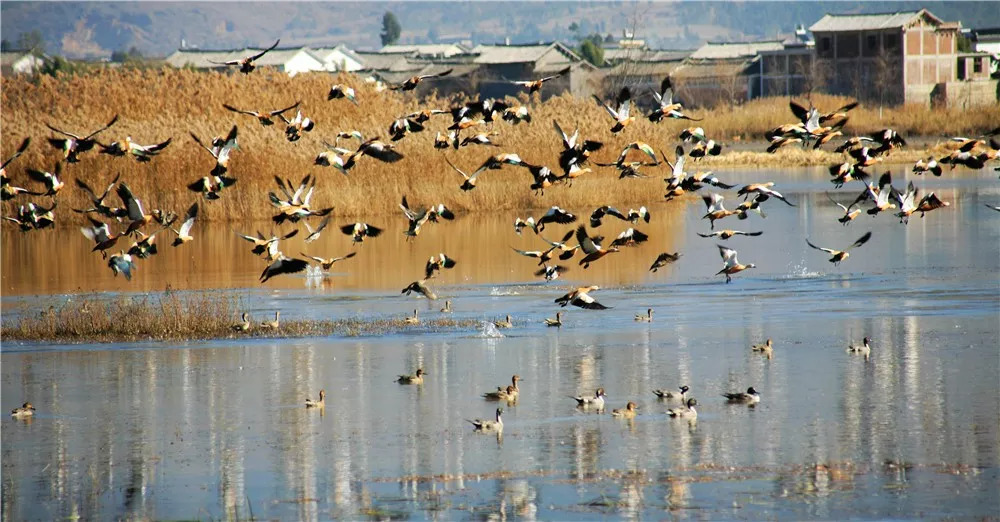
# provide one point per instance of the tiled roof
(728, 50)
(868, 22)
(644, 55)
(710, 70)
(203, 59)
(424, 49)
(644, 68)
(498, 54)
(387, 62)
(324, 52)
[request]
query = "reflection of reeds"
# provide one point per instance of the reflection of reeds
(157, 104)
(172, 316)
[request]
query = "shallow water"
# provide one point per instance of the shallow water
(216, 429)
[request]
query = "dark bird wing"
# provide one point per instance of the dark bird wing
(102, 129)
(281, 111)
(20, 150)
(800, 112)
(262, 53)
(862, 240)
(587, 302)
(283, 266)
(202, 145)
(241, 111)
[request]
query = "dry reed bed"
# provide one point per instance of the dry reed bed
(157, 104)
(173, 317)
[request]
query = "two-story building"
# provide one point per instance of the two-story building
(901, 57)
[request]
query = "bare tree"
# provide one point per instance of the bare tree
(730, 83)
(885, 79)
(815, 74)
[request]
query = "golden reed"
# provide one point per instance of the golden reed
(155, 104)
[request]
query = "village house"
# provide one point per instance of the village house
(19, 62)
(425, 50)
(339, 58)
(643, 70)
(499, 65)
(289, 60)
(722, 72)
(790, 71)
(901, 57)
(987, 40)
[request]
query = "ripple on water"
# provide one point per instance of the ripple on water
(488, 330)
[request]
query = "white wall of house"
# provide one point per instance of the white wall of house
(27, 64)
(988, 47)
(302, 62)
(338, 61)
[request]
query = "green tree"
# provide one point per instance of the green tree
(130, 56)
(964, 44)
(5, 45)
(31, 41)
(592, 52)
(390, 29)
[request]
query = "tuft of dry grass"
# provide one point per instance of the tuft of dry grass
(170, 316)
(155, 104)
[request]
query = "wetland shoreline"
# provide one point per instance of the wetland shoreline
(168, 317)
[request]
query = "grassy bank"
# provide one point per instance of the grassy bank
(157, 104)
(173, 317)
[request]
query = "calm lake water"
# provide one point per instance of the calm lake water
(217, 429)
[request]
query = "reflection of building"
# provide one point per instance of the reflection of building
(902, 57)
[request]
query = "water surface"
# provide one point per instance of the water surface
(214, 429)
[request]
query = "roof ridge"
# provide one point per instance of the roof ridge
(884, 13)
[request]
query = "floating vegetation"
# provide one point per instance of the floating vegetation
(171, 316)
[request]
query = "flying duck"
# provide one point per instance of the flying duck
(732, 265)
(840, 255)
(263, 117)
(246, 64)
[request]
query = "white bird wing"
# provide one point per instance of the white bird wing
(186, 226)
(728, 255)
(714, 202)
(623, 110)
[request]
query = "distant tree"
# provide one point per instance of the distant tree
(31, 41)
(575, 29)
(390, 29)
(592, 52)
(133, 54)
(433, 35)
(5, 45)
(57, 65)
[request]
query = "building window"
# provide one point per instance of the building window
(891, 41)
(977, 65)
(872, 42)
(961, 69)
(824, 44)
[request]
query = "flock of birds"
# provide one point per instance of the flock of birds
(293, 202)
